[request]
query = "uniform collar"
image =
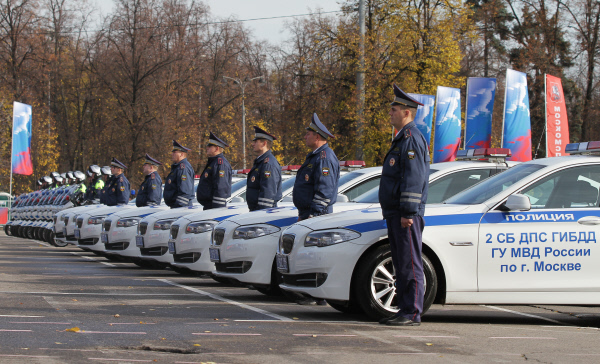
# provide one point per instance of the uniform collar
(401, 132)
(261, 157)
(178, 163)
(220, 155)
(319, 149)
(117, 175)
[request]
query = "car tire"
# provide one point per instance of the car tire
(60, 244)
(29, 233)
(376, 267)
(7, 230)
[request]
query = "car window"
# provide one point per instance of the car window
(451, 184)
(371, 196)
(575, 187)
(237, 185)
(361, 188)
(494, 185)
(349, 177)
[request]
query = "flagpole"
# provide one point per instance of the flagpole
(12, 144)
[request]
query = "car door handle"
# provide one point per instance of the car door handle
(589, 220)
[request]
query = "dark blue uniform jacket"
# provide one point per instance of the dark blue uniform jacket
(264, 183)
(316, 185)
(179, 187)
(117, 192)
(150, 191)
(405, 175)
(214, 186)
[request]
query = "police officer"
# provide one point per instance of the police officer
(214, 186)
(107, 176)
(95, 183)
(316, 185)
(150, 191)
(117, 192)
(179, 188)
(264, 180)
(402, 194)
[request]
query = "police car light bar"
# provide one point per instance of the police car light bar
(483, 154)
(583, 148)
(352, 164)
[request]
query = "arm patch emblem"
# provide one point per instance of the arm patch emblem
(221, 173)
(267, 174)
(325, 171)
(411, 154)
(183, 177)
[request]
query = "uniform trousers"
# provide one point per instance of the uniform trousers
(406, 245)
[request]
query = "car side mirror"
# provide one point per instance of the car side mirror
(237, 199)
(517, 202)
(342, 198)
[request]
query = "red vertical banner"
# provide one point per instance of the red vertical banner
(557, 124)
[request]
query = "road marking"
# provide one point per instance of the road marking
(32, 322)
(523, 337)
(427, 336)
(524, 314)
(26, 356)
(223, 299)
(222, 334)
(111, 332)
(3, 330)
(123, 360)
(130, 323)
(329, 335)
(412, 353)
(90, 294)
(21, 315)
(92, 259)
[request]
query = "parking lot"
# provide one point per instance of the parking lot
(66, 305)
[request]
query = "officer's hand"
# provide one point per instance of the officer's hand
(406, 222)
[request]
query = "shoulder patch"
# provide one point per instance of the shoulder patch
(152, 176)
(411, 154)
(122, 188)
(121, 179)
(323, 154)
(183, 177)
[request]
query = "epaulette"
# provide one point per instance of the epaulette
(323, 154)
(182, 166)
(407, 133)
(121, 179)
(220, 161)
(152, 175)
(267, 160)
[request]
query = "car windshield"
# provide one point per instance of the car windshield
(371, 196)
(492, 186)
(349, 177)
(239, 184)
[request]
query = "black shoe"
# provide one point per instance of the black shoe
(384, 320)
(402, 321)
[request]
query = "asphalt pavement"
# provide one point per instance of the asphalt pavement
(65, 305)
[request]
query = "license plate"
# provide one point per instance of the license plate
(171, 244)
(139, 241)
(215, 255)
(104, 238)
(77, 234)
(65, 232)
(282, 263)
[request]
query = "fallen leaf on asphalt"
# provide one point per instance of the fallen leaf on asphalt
(73, 299)
(216, 319)
(162, 338)
(57, 343)
(206, 331)
(197, 345)
(295, 318)
(117, 315)
(429, 344)
(142, 322)
(314, 335)
(73, 329)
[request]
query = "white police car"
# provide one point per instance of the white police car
(244, 246)
(345, 257)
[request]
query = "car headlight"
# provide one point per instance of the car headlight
(96, 220)
(128, 222)
(330, 237)
(254, 231)
(163, 224)
(199, 227)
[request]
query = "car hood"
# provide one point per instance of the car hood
(287, 215)
(140, 211)
(218, 214)
(106, 210)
